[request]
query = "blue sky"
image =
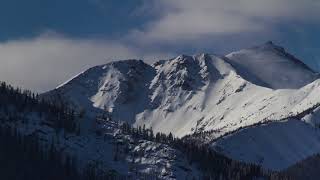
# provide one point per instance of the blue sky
(45, 42)
(73, 18)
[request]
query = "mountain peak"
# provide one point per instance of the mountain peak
(281, 51)
(269, 43)
(271, 66)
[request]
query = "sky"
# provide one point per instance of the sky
(44, 42)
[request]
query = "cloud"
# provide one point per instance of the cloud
(42, 63)
(190, 20)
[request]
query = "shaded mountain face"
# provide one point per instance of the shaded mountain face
(271, 66)
(276, 145)
(203, 93)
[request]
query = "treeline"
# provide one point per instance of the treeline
(17, 104)
(212, 164)
(25, 158)
(29, 157)
(307, 169)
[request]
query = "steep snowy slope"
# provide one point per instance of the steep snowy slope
(271, 66)
(115, 88)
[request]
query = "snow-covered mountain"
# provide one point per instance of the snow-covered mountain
(219, 95)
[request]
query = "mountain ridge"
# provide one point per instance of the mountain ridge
(193, 94)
